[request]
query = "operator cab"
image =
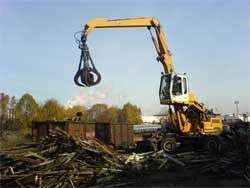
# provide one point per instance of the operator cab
(173, 89)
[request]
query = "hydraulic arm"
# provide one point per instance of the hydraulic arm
(87, 73)
(189, 114)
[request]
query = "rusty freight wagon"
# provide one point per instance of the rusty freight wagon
(40, 129)
(111, 134)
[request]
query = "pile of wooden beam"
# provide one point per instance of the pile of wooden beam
(59, 160)
(221, 166)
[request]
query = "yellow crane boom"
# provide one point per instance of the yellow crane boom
(164, 55)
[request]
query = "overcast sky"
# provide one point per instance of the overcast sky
(209, 40)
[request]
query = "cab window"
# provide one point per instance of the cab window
(177, 86)
(185, 85)
(165, 87)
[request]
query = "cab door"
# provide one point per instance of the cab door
(179, 89)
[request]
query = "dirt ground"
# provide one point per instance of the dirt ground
(183, 178)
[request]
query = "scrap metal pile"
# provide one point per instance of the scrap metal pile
(61, 160)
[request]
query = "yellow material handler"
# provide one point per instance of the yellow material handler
(189, 118)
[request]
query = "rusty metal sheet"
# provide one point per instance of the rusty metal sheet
(90, 131)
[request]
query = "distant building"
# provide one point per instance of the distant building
(232, 118)
(152, 119)
(244, 117)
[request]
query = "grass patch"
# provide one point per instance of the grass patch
(14, 138)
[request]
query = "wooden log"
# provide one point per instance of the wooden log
(174, 160)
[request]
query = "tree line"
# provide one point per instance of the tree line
(27, 109)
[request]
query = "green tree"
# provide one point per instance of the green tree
(130, 114)
(4, 102)
(52, 110)
(72, 112)
(111, 115)
(95, 113)
(26, 109)
(12, 106)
